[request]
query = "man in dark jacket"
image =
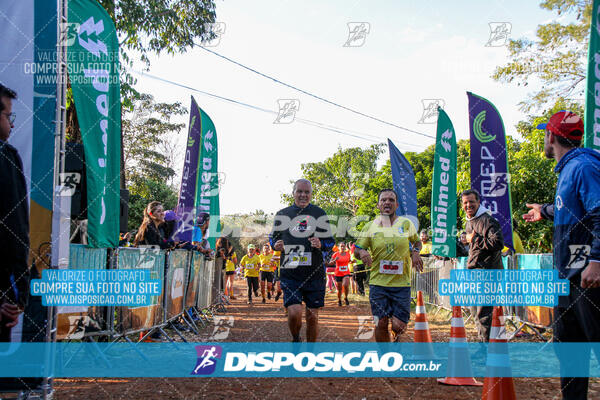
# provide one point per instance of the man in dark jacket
(484, 235)
(576, 216)
(14, 224)
(302, 233)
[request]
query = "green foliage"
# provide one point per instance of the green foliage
(144, 130)
(339, 181)
(422, 165)
(243, 229)
(557, 57)
(149, 27)
(142, 192)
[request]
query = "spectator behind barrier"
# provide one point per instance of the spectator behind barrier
(202, 222)
(225, 250)
(462, 246)
(152, 229)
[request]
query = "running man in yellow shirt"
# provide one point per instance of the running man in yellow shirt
(384, 245)
(250, 263)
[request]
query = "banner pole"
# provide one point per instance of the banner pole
(59, 167)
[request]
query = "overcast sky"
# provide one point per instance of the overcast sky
(413, 51)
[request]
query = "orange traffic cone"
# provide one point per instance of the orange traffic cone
(423, 346)
(498, 383)
(458, 354)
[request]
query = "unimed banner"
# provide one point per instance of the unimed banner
(94, 76)
(187, 190)
(591, 138)
(404, 184)
(443, 194)
(207, 186)
(489, 162)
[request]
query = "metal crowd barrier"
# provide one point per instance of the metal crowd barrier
(177, 270)
(534, 317)
(188, 291)
(130, 320)
(77, 322)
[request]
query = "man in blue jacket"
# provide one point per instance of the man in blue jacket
(576, 216)
(301, 232)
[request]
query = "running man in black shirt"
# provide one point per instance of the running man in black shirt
(301, 233)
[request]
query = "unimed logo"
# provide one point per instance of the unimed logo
(207, 359)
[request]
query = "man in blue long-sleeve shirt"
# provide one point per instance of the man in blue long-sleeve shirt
(576, 216)
(302, 233)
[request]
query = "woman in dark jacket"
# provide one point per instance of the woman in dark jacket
(151, 231)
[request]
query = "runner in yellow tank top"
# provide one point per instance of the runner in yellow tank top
(267, 269)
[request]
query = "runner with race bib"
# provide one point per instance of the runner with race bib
(250, 263)
(301, 233)
(341, 259)
(389, 246)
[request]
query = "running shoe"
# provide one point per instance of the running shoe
(296, 338)
(347, 302)
(264, 300)
(277, 296)
(249, 301)
(340, 303)
(269, 295)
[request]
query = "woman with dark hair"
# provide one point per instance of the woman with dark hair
(151, 231)
(224, 249)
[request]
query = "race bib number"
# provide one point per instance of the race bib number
(343, 268)
(391, 267)
(296, 257)
(300, 259)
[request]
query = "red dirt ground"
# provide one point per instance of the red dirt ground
(267, 322)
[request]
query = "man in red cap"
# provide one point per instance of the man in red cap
(576, 216)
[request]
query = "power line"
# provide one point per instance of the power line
(316, 124)
(313, 95)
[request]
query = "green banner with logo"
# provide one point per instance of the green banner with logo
(443, 195)
(207, 179)
(591, 137)
(93, 62)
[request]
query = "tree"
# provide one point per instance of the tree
(145, 129)
(143, 191)
(243, 229)
(422, 165)
(339, 181)
(557, 57)
(149, 27)
(367, 204)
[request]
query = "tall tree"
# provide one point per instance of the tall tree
(148, 27)
(143, 191)
(557, 57)
(144, 129)
(339, 181)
